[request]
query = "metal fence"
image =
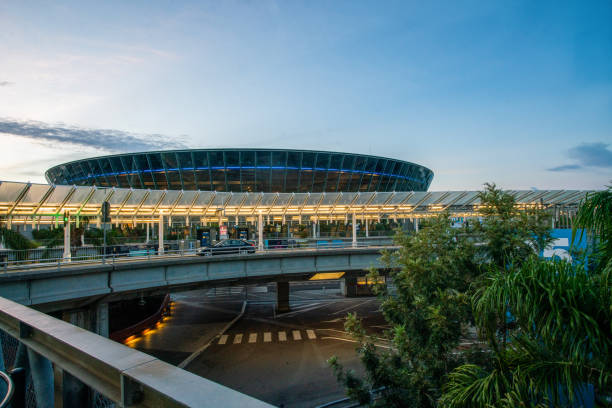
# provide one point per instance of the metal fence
(11, 260)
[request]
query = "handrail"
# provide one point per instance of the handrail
(10, 389)
(124, 375)
(58, 262)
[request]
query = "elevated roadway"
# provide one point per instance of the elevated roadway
(52, 288)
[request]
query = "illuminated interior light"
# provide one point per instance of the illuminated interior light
(327, 275)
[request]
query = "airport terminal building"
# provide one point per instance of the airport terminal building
(289, 190)
(245, 170)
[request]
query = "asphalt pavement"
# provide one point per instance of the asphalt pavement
(278, 358)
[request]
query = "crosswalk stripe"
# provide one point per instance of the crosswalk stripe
(297, 335)
(311, 334)
(267, 337)
(253, 338)
(223, 339)
(238, 339)
(282, 336)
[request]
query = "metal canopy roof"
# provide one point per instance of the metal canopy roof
(27, 200)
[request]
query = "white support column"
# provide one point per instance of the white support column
(314, 228)
(148, 227)
(160, 233)
(260, 243)
(416, 224)
(354, 230)
(367, 227)
(67, 253)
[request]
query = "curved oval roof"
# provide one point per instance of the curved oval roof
(245, 170)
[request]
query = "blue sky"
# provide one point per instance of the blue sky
(519, 93)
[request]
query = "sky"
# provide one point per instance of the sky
(513, 92)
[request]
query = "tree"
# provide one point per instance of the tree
(509, 234)
(560, 339)
(432, 272)
(595, 216)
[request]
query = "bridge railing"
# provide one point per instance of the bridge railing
(12, 260)
(120, 376)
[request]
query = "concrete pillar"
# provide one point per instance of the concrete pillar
(101, 319)
(67, 253)
(282, 297)
(75, 394)
(148, 228)
(260, 243)
(416, 224)
(367, 227)
(42, 378)
(354, 230)
(160, 233)
(349, 286)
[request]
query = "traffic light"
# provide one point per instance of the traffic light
(106, 212)
(66, 217)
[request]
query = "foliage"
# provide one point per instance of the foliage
(558, 322)
(427, 316)
(14, 240)
(595, 216)
(510, 235)
(435, 271)
(561, 339)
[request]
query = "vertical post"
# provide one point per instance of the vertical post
(354, 230)
(282, 297)
(367, 227)
(416, 224)
(42, 377)
(260, 244)
(160, 233)
(314, 227)
(148, 227)
(67, 253)
(101, 319)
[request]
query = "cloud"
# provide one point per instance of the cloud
(592, 154)
(566, 167)
(102, 139)
(587, 155)
(6, 83)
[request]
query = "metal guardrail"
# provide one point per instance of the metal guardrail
(140, 255)
(124, 375)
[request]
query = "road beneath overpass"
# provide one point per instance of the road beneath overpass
(280, 359)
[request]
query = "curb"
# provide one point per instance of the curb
(199, 351)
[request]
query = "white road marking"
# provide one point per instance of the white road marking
(311, 334)
(282, 336)
(253, 338)
(353, 306)
(297, 335)
(267, 337)
(353, 341)
(223, 339)
(238, 339)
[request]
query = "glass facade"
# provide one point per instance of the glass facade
(245, 170)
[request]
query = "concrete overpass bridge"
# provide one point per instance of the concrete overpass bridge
(126, 376)
(58, 287)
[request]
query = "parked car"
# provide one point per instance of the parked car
(228, 246)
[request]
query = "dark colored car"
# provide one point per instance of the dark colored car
(228, 246)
